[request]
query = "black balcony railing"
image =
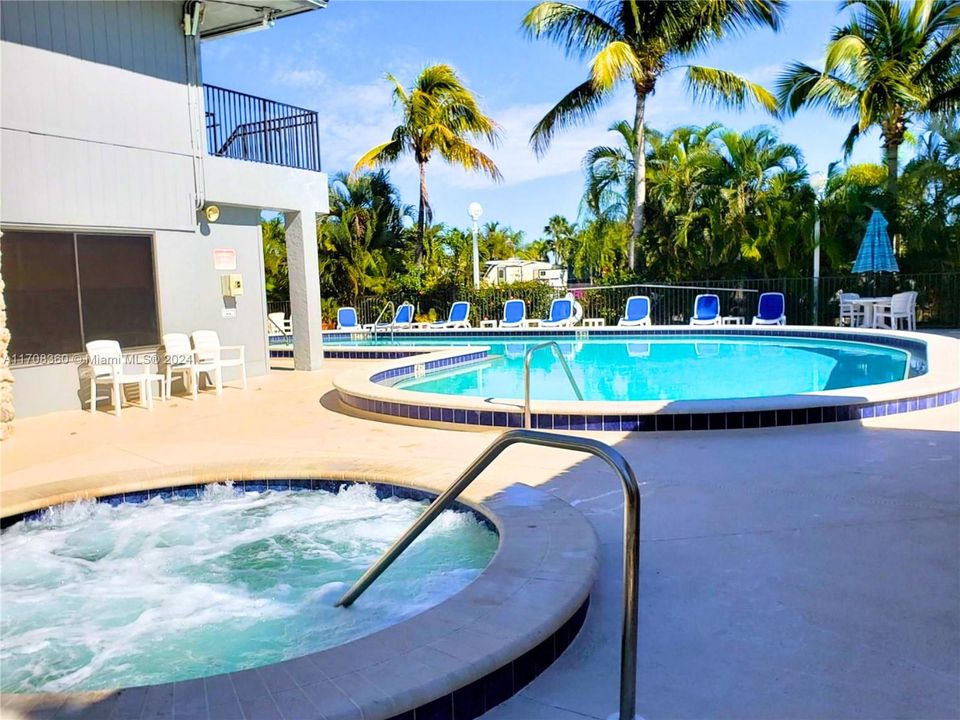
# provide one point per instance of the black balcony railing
(246, 127)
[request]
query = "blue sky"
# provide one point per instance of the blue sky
(334, 61)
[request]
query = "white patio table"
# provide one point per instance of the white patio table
(868, 304)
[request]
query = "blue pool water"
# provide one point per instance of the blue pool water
(663, 368)
(98, 596)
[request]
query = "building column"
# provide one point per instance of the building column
(304, 273)
(6, 377)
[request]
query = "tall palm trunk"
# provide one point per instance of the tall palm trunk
(892, 148)
(422, 214)
(639, 178)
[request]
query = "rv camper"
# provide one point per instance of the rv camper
(504, 272)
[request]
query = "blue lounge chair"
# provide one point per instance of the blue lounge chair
(347, 319)
(706, 310)
(561, 314)
(637, 311)
(402, 319)
(459, 316)
(514, 314)
(770, 310)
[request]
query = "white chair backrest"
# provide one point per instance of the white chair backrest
(277, 321)
(177, 350)
(105, 357)
(206, 345)
(845, 298)
(901, 302)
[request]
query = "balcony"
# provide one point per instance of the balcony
(246, 127)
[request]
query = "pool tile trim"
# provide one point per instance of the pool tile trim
(470, 652)
(930, 387)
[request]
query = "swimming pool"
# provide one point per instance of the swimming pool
(95, 595)
(688, 368)
(659, 378)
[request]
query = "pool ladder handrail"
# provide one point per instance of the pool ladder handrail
(527, 415)
(631, 537)
(373, 328)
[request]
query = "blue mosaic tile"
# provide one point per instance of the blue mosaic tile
(664, 423)
(486, 417)
(682, 422)
(278, 484)
(611, 422)
(578, 422)
(500, 419)
(594, 422)
(646, 423)
(718, 421)
(561, 422)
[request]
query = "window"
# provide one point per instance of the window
(65, 289)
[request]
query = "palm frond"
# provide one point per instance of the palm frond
(728, 89)
(575, 107)
(578, 31)
(379, 155)
(617, 61)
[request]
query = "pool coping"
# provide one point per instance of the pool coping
(457, 659)
(363, 388)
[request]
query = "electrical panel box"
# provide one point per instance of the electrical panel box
(232, 284)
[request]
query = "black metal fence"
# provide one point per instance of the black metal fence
(938, 299)
(246, 127)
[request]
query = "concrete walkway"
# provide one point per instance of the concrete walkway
(786, 573)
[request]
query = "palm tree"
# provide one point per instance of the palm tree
(559, 234)
(611, 175)
(680, 170)
(893, 63)
(361, 238)
(753, 168)
(440, 115)
(277, 278)
(635, 42)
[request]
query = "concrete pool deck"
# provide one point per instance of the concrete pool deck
(786, 572)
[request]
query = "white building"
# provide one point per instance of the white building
(129, 188)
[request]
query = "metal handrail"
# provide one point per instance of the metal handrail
(373, 328)
(526, 377)
(631, 538)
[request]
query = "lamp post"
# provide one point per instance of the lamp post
(819, 183)
(475, 210)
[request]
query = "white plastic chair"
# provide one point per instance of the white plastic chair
(107, 368)
(278, 324)
(179, 357)
(850, 313)
(208, 353)
(902, 306)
